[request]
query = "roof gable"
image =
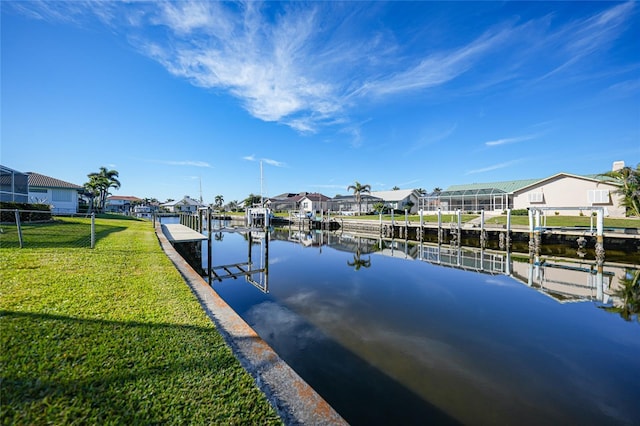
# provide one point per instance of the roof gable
(592, 178)
(37, 180)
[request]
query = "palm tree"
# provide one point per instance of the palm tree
(218, 201)
(395, 188)
(92, 191)
(252, 200)
(101, 182)
(358, 190)
(629, 181)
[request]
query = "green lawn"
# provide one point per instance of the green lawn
(111, 335)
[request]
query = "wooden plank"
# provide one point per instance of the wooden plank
(177, 233)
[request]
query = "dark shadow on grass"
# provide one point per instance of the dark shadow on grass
(60, 369)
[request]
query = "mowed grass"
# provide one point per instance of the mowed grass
(111, 335)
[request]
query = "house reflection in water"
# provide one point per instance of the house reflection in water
(563, 279)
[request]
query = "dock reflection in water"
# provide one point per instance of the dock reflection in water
(397, 333)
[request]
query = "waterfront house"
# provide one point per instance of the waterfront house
(574, 194)
(347, 204)
(314, 203)
(185, 205)
(399, 199)
(285, 202)
(121, 204)
(62, 196)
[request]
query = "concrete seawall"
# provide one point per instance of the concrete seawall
(295, 401)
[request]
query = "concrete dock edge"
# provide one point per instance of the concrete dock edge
(295, 401)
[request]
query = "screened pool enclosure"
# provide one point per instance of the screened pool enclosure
(468, 200)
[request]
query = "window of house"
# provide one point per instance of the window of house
(60, 195)
(37, 190)
(536, 197)
(598, 196)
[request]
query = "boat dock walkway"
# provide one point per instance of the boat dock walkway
(177, 233)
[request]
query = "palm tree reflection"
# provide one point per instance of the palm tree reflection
(358, 262)
(629, 294)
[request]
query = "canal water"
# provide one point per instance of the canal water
(395, 333)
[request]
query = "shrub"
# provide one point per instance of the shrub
(520, 212)
(29, 212)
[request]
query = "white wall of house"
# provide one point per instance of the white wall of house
(570, 191)
(62, 200)
(313, 206)
(398, 199)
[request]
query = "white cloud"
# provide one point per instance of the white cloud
(183, 163)
(493, 167)
(268, 161)
(505, 141)
(309, 65)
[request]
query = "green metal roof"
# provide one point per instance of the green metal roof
(508, 186)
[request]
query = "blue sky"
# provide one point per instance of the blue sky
(182, 95)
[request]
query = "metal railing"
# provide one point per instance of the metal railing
(40, 229)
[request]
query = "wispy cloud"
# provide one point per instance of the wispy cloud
(300, 66)
(268, 161)
(581, 38)
(505, 141)
(431, 136)
(438, 68)
(493, 167)
(183, 163)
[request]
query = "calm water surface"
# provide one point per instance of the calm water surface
(387, 339)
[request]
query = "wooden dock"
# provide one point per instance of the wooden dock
(177, 233)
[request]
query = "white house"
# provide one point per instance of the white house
(574, 194)
(314, 203)
(571, 191)
(186, 205)
(121, 203)
(61, 195)
(399, 199)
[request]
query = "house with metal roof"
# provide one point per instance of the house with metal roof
(61, 195)
(574, 194)
(399, 199)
